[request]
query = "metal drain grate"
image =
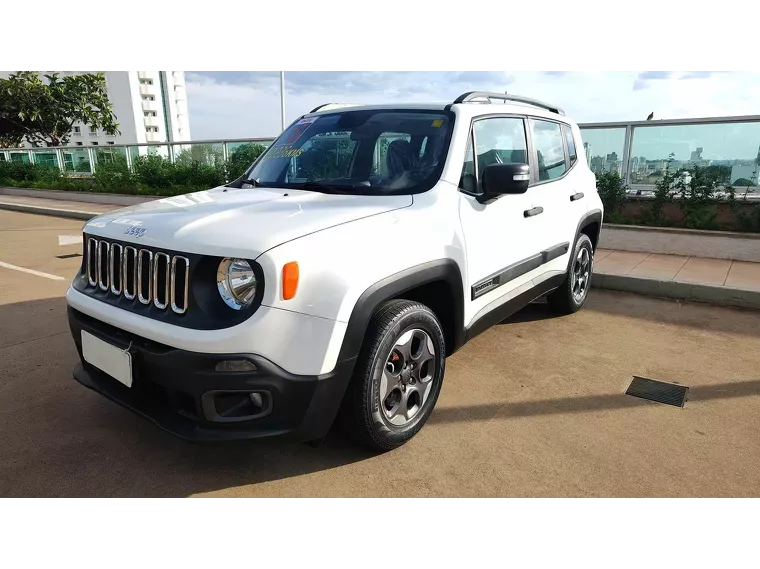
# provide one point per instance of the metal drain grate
(69, 256)
(667, 393)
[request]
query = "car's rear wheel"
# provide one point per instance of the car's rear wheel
(571, 296)
(398, 375)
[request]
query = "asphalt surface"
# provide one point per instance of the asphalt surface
(533, 407)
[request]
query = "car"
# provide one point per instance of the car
(331, 281)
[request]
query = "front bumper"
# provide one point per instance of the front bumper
(173, 388)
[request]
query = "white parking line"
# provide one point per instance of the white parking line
(31, 272)
(69, 240)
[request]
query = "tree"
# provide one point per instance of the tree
(10, 137)
(744, 183)
(45, 112)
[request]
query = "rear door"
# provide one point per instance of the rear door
(553, 191)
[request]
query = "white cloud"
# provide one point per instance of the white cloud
(247, 104)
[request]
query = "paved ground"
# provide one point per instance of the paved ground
(678, 268)
(533, 407)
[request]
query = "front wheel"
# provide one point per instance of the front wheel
(398, 375)
(571, 296)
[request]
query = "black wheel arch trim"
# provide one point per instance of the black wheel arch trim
(593, 216)
(393, 286)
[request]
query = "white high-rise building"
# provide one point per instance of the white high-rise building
(150, 106)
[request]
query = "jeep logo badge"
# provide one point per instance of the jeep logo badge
(135, 230)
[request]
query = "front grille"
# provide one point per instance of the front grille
(140, 275)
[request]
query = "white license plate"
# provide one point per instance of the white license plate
(112, 360)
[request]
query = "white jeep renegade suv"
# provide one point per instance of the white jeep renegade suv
(361, 249)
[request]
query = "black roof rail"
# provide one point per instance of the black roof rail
(315, 109)
(472, 95)
(328, 104)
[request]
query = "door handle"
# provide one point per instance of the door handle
(532, 212)
(576, 197)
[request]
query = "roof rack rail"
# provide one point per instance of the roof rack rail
(472, 95)
(334, 105)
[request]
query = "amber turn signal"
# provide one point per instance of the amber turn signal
(289, 280)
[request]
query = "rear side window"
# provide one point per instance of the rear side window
(550, 149)
(570, 144)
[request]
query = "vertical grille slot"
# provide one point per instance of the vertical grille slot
(129, 270)
(144, 275)
(152, 277)
(115, 267)
(179, 283)
(161, 263)
(103, 249)
(92, 261)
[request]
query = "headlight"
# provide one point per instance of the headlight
(236, 283)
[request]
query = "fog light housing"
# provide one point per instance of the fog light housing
(235, 366)
(236, 406)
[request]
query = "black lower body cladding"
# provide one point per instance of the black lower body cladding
(184, 394)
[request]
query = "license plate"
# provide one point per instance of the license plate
(112, 360)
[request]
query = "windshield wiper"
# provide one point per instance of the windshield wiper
(325, 188)
(254, 183)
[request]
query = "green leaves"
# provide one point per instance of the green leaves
(44, 111)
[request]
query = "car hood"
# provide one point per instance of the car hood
(236, 222)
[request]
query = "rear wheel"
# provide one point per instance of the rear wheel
(398, 375)
(571, 296)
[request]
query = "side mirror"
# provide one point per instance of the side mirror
(501, 179)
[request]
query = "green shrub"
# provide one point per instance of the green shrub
(611, 190)
(241, 159)
(114, 175)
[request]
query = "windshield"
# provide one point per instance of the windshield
(358, 152)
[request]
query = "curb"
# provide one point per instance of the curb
(683, 231)
(66, 213)
(719, 295)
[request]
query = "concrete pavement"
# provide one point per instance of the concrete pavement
(57, 208)
(533, 407)
(716, 281)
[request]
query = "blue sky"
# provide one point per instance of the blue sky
(238, 104)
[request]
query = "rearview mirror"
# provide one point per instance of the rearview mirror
(499, 179)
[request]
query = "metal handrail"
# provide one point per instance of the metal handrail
(142, 144)
(472, 95)
(672, 122)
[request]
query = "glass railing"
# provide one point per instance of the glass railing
(642, 151)
(638, 151)
(83, 160)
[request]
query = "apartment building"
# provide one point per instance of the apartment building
(150, 106)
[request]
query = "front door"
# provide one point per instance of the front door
(501, 237)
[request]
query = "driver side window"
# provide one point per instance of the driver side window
(499, 140)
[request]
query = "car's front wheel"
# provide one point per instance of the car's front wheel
(398, 375)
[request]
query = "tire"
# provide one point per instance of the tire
(386, 403)
(564, 300)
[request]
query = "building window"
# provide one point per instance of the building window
(151, 129)
(146, 81)
(93, 130)
(94, 143)
(110, 142)
(77, 129)
(148, 98)
(150, 113)
(79, 144)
